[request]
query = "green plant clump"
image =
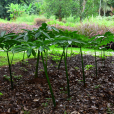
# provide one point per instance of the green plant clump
(88, 67)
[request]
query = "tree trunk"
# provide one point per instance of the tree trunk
(84, 3)
(80, 19)
(100, 8)
(104, 8)
(82, 8)
(80, 11)
(112, 10)
(60, 18)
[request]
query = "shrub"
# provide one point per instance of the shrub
(92, 29)
(15, 28)
(39, 21)
(86, 29)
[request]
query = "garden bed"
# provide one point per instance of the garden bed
(33, 95)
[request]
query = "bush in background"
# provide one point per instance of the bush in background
(15, 28)
(86, 29)
(39, 21)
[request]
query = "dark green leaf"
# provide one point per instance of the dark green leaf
(33, 53)
(19, 48)
(37, 34)
(26, 37)
(55, 29)
(45, 33)
(29, 51)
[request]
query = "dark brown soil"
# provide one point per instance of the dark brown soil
(32, 95)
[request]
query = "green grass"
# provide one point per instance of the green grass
(84, 50)
(4, 21)
(19, 56)
(29, 19)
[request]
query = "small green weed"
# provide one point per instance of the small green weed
(56, 58)
(51, 65)
(24, 62)
(23, 69)
(41, 70)
(77, 68)
(18, 77)
(57, 63)
(15, 76)
(46, 104)
(62, 90)
(88, 67)
(109, 111)
(1, 94)
(97, 86)
(69, 99)
(48, 98)
(65, 112)
(26, 112)
(6, 77)
(80, 80)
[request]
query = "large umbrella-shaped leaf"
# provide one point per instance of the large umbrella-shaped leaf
(44, 33)
(19, 48)
(3, 33)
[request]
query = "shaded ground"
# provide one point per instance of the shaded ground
(33, 95)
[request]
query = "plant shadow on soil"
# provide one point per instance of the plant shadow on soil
(33, 94)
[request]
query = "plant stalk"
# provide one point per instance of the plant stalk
(96, 63)
(46, 53)
(45, 69)
(10, 71)
(60, 60)
(82, 66)
(104, 56)
(65, 60)
(12, 59)
(36, 73)
(23, 55)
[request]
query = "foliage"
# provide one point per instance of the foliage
(36, 6)
(58, 8)
(93, 10)
(4, 3)
(3, 12)
(15, 10)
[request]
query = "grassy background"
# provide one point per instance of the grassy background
(56, 51)
(70, 21)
